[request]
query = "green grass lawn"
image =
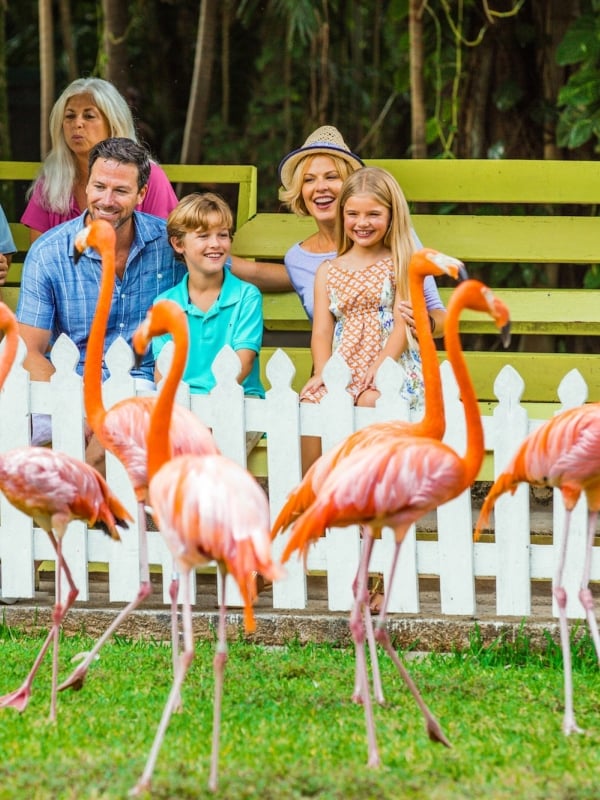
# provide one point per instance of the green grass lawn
(289, 729)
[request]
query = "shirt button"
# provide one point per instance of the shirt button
(159, 276)
(121, 325)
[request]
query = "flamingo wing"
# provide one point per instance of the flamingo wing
(383, 486)
(209, 508)
(125, 432)
(54, 488)
(564, 452)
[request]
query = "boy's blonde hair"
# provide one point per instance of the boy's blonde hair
(292, 196)
(381, 185)
(193, 213)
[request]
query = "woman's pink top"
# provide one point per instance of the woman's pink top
(160, 200)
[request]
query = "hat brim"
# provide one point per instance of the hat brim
(289, 163)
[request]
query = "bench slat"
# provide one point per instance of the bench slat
(536, 311)
(495, 181)
(542, 372)
(470, 237)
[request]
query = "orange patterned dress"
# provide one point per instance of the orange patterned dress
(362, 304)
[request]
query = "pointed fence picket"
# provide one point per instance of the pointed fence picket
(510, 556)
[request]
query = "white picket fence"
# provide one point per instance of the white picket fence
(511, 558)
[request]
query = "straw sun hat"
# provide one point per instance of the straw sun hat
(326, 140)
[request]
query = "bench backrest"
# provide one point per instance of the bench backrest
(238, 181)
(483, 211)
(488, 212)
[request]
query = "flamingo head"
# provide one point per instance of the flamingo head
(161, 318)
(479, 297)
(99, 234)
(431, 262)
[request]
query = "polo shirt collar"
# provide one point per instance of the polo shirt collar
(229, 295)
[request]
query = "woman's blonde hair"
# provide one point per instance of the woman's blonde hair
(58, 170)
(292, 196)
(193, 212)
(381, 185)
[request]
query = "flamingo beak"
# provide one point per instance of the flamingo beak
(81, 242)
(505, 335)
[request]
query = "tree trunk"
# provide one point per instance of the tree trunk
(115, 43)
(417, 91)
(46, 72)
(66, 28)
(201, 80)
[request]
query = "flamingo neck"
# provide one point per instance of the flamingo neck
(475, 443)
(9, 352)
(433, 423)
(92, 369)
(159, 450)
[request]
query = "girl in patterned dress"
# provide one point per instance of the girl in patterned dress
(358, 294)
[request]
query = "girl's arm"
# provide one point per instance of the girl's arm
(321, 340)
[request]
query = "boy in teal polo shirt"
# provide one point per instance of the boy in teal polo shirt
(221, 309)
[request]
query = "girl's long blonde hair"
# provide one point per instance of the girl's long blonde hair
(58, 170)
(381, 185)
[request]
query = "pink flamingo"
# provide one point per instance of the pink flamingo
(208, 508)
(394, 483)
(564, 453)
(123, 428)
(424, 262)
(52, 488)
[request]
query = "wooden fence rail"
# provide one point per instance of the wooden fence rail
(511, 555)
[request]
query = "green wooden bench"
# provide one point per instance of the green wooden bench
(239, 181)
(507, 212)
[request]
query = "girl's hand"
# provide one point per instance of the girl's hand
(313, 383)
(369, 378)
(406, 312)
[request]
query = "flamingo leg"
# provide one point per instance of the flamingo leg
(77, 677)
(559, 592)
(219, 671)
(359, 588)
(173, 595)
(143, 784)
(357, 627)
(19, 699)
(434, 730)
(585, 595)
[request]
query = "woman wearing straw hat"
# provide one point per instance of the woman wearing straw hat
(311, 178)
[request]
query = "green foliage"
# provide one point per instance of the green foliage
(579, 98)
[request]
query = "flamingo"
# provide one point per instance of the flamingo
(53, 488)
(424, 262)
(123, 428)
(208, 508)
(394, 483)
(564, 453)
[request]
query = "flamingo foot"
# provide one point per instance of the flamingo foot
(569, 726)
(374, 761)
(435, 732)
(17, 699)
(75, 680)
(142, 787)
